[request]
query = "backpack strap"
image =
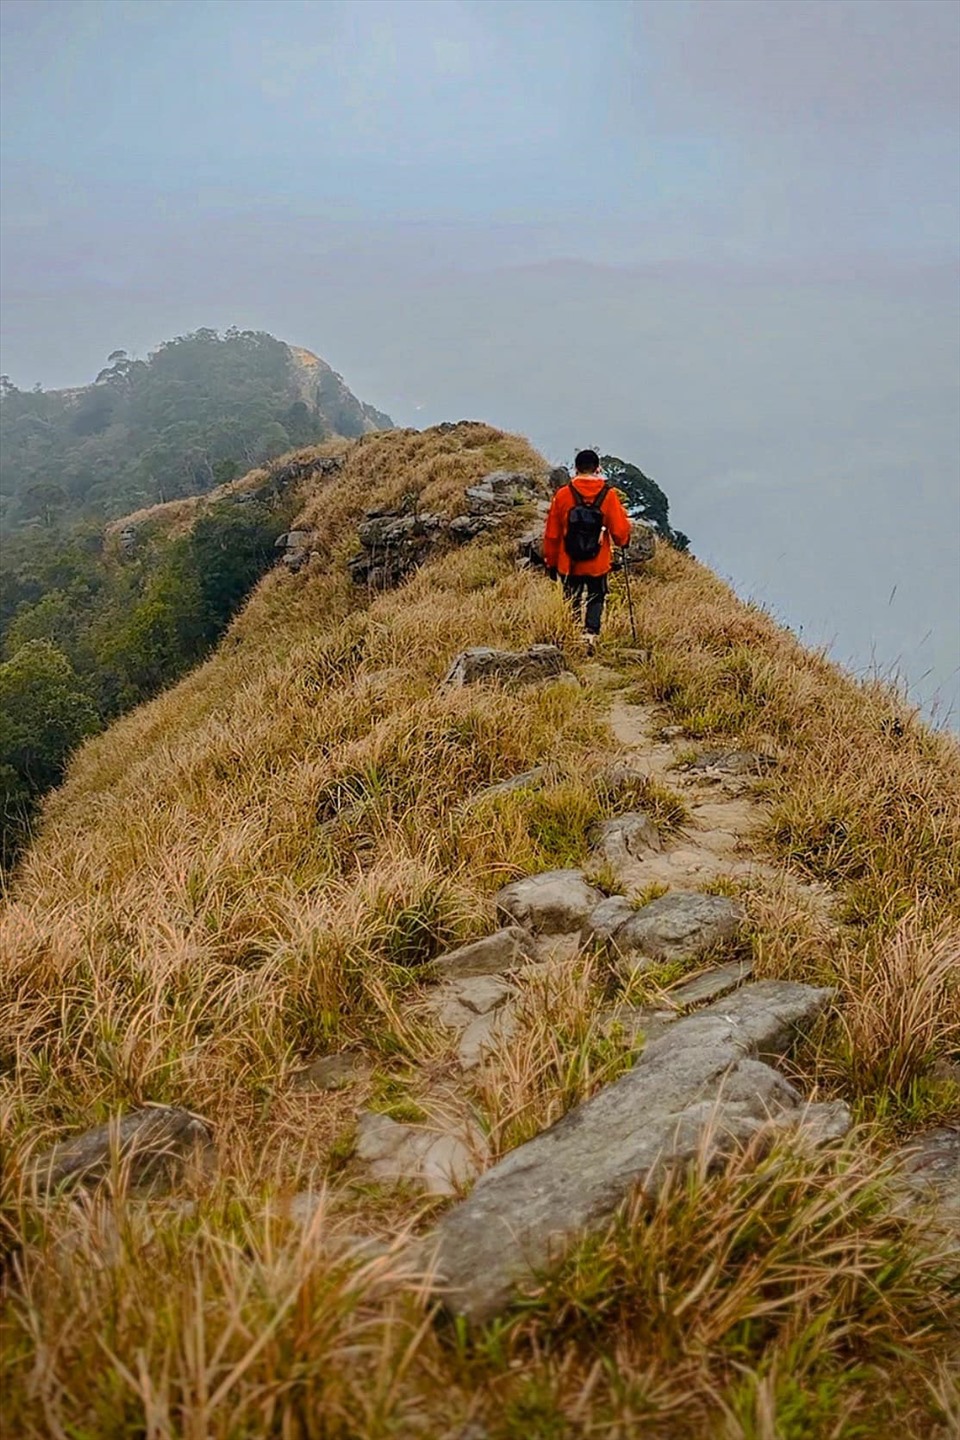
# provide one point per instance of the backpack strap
(596, 503)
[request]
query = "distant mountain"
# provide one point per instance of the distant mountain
(200, 410)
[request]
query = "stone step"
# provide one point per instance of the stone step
(699, 1083)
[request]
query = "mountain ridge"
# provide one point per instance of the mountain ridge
(253, 879)
(201, 409)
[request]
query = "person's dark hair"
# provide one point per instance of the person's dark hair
(587, 462)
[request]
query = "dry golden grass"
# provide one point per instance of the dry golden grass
(248, 871)
(171, 518)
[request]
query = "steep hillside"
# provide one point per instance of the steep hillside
(261, 869)
(199, 411)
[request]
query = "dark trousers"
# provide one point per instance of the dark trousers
(594, 587)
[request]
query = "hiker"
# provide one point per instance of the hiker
(585, 517)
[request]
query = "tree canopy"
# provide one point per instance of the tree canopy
(644, 499)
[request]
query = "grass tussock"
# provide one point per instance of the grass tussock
(250, 872)
(780, 1296)
(559, 1054)
(777, 1291)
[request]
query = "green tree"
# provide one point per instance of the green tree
(44, 713)
(644, 499)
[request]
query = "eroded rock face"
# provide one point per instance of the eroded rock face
(557, 902)
(394, 543)
(684, 925)
(149, 1145)
(518, 667)
(701, 1083)
(496, 954)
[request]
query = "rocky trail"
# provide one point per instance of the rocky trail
(701, 1055)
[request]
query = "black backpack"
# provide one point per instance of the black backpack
(584, 525)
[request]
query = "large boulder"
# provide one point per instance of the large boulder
(557, 902)
(149, 1146)
(699, 1085)
(683, 925)
(519, 667)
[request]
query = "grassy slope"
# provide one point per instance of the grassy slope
(245, 873)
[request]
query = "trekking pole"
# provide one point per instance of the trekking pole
(626, 581)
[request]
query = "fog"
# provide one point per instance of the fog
(717, 240)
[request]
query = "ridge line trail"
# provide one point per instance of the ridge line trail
(724, 812)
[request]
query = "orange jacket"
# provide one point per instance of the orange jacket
(616, 523)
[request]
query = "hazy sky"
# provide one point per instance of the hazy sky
(717, 237)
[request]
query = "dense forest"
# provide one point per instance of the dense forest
(88, 632)
(200, 410)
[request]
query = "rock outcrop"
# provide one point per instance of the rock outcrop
(393, 543)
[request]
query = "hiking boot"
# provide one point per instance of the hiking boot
(590, 641)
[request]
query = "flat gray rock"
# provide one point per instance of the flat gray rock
(554, 903)
(733, 762)
(485, 1033)
(700, 1083)
(625, 839)
(683, 925)
(456, 1003)
(151, 1145)
(712, 984)
(507, 949)
(520, 667)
